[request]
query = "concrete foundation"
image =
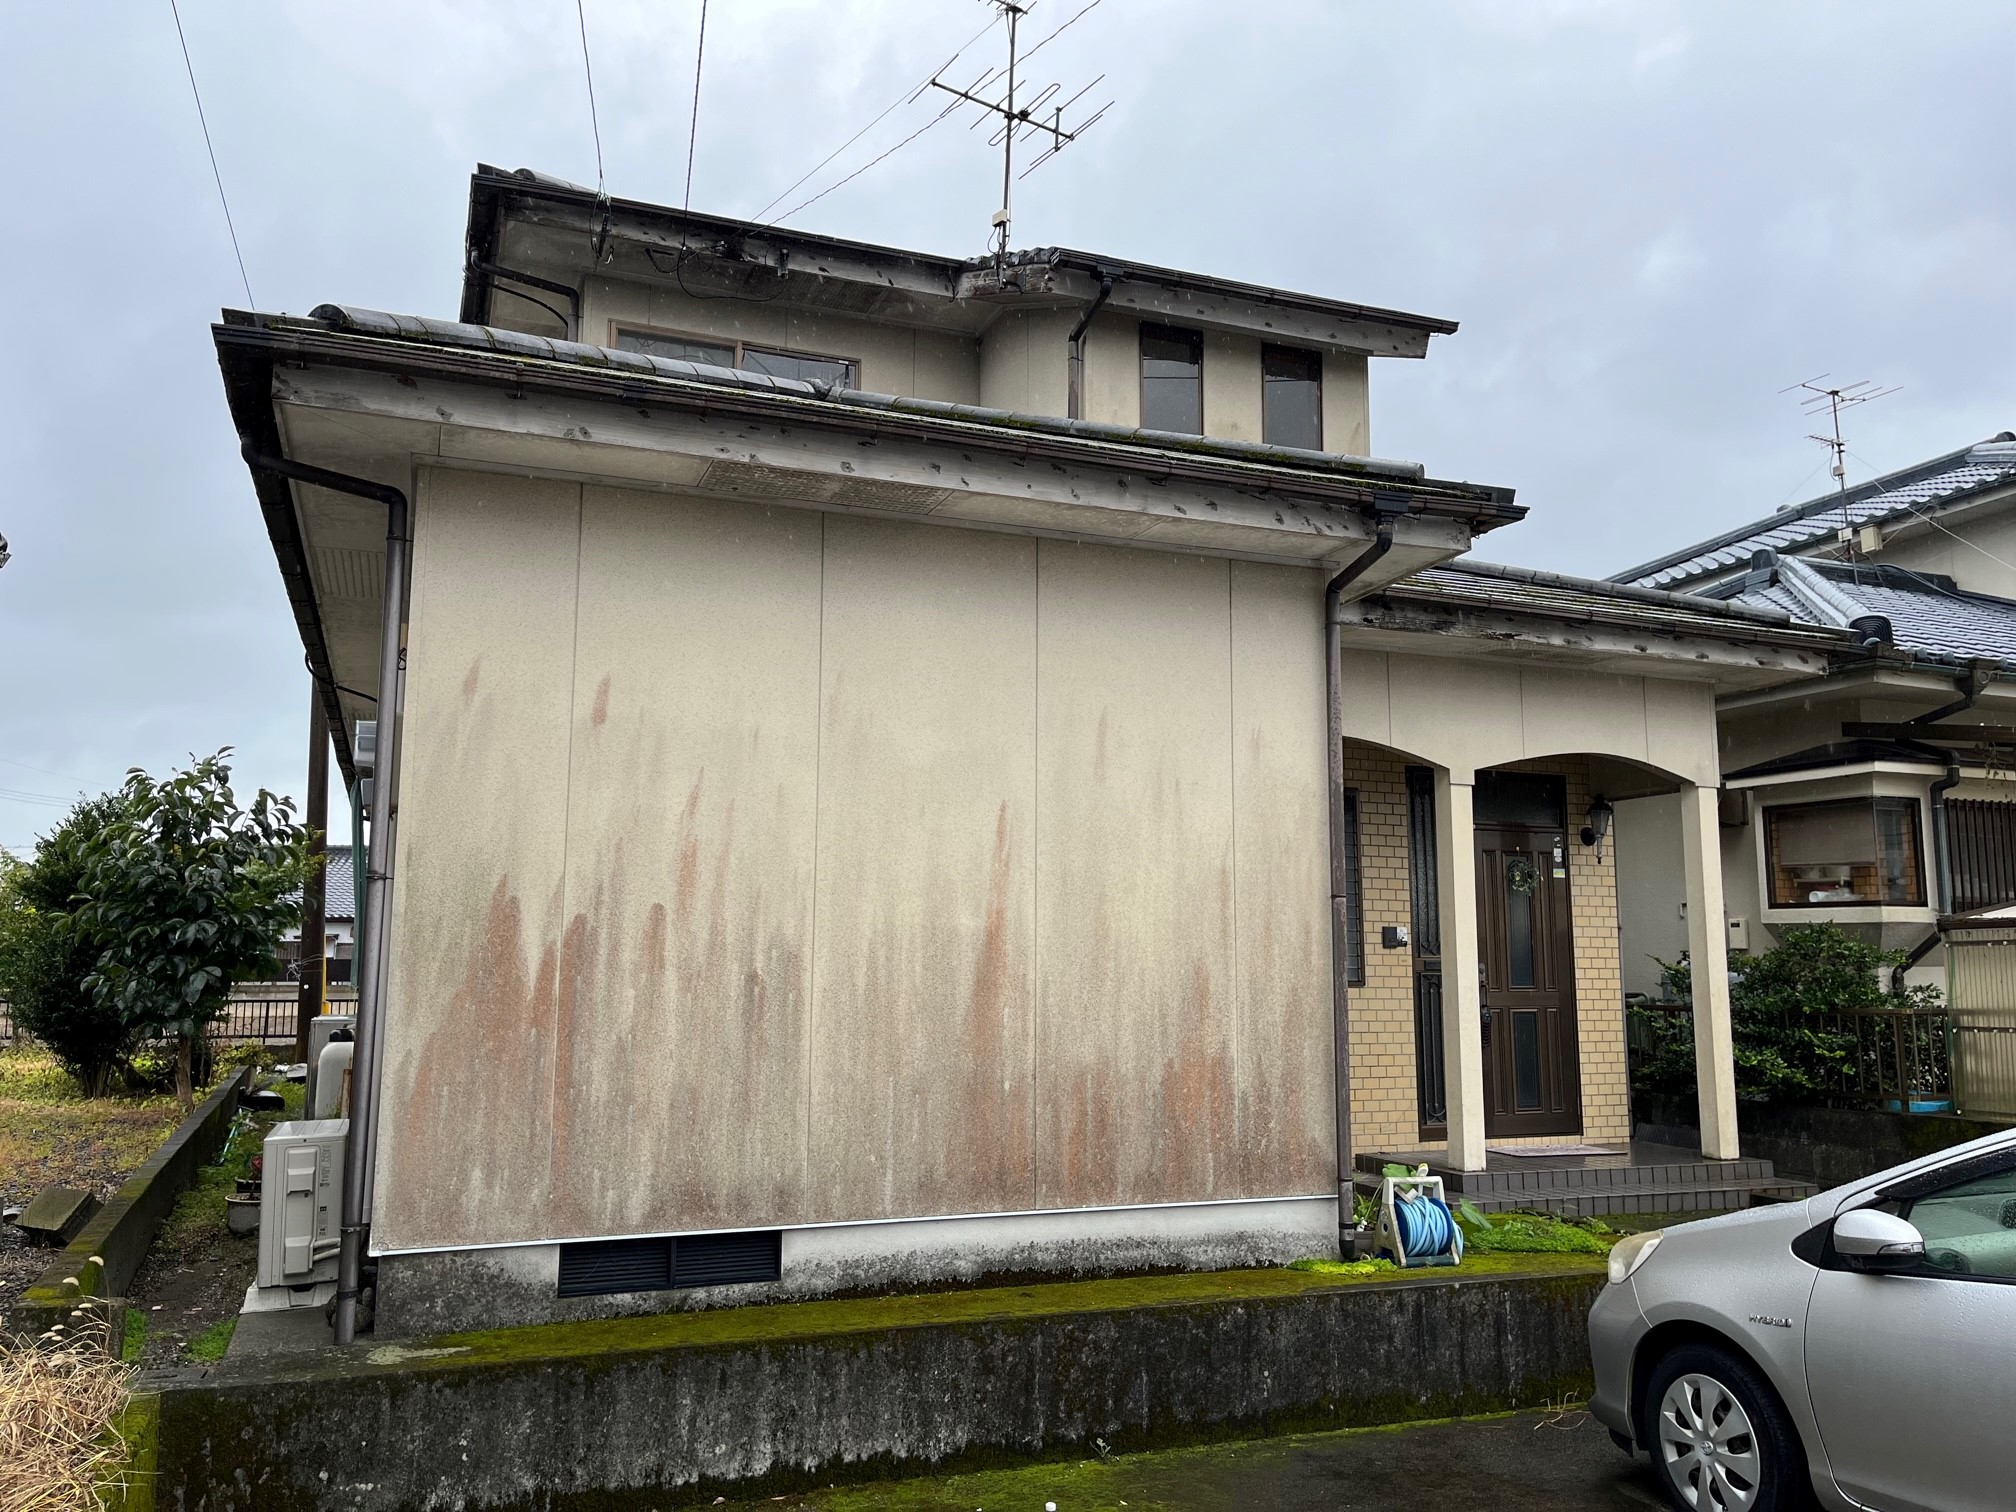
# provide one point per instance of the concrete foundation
(444, 1291)
(624, 1415)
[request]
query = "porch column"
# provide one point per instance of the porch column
(1708, 971)
(1462, 1002)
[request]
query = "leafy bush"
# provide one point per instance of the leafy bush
(138, 914)
(1780, 1004)
(47, 959)
(1530, 1234)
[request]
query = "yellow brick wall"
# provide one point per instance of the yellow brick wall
(1384, 1109)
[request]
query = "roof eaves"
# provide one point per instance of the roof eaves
(1485, 506)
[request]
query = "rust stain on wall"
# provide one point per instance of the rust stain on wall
(600, 716)
(471, 678)
(472, 1136)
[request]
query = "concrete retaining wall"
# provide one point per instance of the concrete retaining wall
(1827, 1145)
(101, 1261)
(630, 1414)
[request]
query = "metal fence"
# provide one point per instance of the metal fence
(1984, 1020)
(264, 1012)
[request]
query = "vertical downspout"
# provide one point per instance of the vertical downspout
(1075, 378)
(378, 886)
(1942, 856)
(1340, 913)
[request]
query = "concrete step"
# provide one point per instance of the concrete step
(1605, 1202)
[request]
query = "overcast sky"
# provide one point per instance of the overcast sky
(1649, 218)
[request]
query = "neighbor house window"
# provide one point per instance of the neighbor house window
(1291, 397)
(1833, 855)
(1172, 379)
(740, 354)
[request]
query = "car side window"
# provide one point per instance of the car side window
(1970, 1227)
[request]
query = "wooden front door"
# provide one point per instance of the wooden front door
(1526, 947)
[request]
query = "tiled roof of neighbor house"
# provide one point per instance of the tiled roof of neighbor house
(1549, 595)
(1923, 488)
(1929, 616)
(340, 887)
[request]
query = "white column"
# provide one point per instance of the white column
(1462, 1002)
(1708, 970)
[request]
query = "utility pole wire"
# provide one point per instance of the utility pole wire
(594, 122)
(903, 99)
(204, 122)
(693, 127)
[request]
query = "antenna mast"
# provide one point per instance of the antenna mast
(1018, 118)
(1833, 401)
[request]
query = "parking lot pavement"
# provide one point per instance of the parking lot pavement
(1551, 1461)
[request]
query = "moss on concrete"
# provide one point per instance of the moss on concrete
(804, 1320)
(129, 1486)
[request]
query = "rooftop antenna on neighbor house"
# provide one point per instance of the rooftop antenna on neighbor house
(1818, 399)
(1021, 118)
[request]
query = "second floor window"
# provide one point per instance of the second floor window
(1172, 379)
(1291, 397)
(740, 354)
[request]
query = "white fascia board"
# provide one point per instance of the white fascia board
(730, 456)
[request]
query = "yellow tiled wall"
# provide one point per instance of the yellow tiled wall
(1384, 1110)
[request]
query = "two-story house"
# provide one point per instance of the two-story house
(893, 768)
(1881, 797)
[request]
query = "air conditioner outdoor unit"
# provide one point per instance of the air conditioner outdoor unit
(300, 1213)
(364, 744)
(319, 1029)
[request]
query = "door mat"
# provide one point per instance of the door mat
(1535, 1152)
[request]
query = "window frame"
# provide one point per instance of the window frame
(739, 346)
(1314, 356)
(1196, 334)
(1873, 803)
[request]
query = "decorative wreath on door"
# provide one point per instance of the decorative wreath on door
(1520, 876)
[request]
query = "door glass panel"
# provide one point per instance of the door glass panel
(1970, 1228)
(1526, 1060)
(1521, 881)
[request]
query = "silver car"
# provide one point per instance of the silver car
(1861, 1343)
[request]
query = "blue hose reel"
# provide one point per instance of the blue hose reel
(1414, 1225)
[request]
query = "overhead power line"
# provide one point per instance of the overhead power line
(204, 122)
(902, 99)
(693, 126)
(594, 122)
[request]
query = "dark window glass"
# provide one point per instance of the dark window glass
(1172, 379)
(1841, 855)
(1531, 799)
(1970, 1227)
(1354, 894)
(797, 365)
(1526, 1060)
(1291, 397)
(679, 348)
(1520, 873)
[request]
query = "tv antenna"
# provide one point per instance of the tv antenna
(1831, 401)
(1020, 118)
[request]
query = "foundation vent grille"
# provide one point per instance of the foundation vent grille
(603, 1267)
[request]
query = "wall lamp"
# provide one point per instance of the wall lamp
(1600, 815)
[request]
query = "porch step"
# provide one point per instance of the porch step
(1642, 1179)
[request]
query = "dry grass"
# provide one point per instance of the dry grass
(57, 1402)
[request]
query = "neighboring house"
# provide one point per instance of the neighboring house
(875, 787)
(1882, 797)
(339, 930)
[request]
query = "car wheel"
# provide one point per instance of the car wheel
(1720, 1439)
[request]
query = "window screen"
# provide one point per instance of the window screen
(798, 365)
(1291, 397)
(1854, 853)
(1172, 379)
(679, 348)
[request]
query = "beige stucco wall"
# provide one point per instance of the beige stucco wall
(1974, 554)
(764, 867)
(1385, 1108)
(1464, 715)
(894, 359)
(1651, 893)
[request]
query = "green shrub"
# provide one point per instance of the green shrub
(1780, 1000)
